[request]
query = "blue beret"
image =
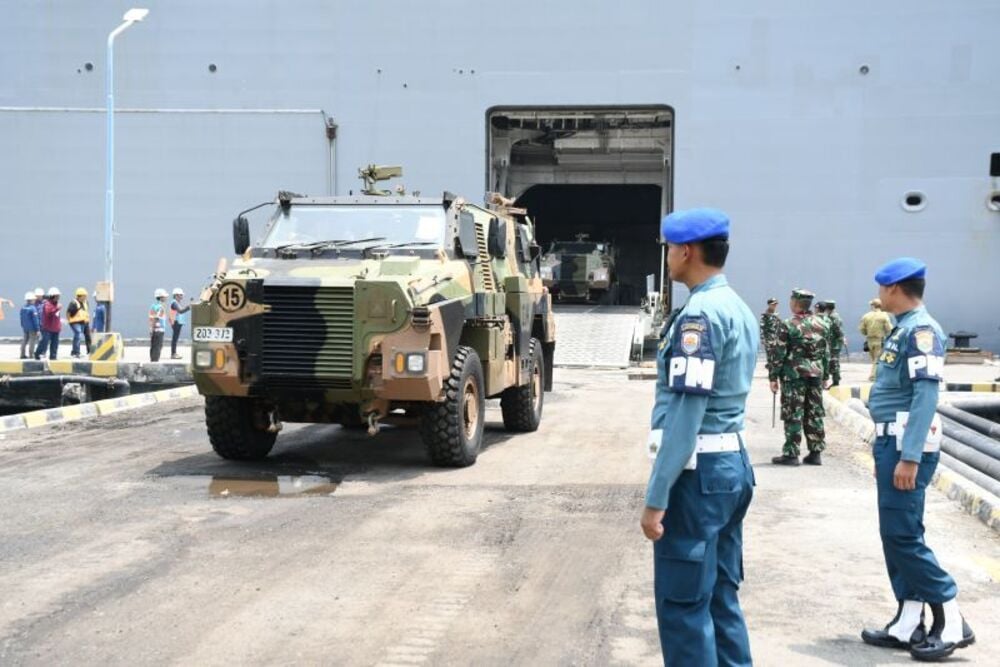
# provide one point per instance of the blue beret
(694, 224)
(898, 270)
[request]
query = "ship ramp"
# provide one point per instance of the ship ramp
(597, 336)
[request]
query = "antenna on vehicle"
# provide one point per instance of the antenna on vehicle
(372, 174)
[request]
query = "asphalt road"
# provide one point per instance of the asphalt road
(125, 540)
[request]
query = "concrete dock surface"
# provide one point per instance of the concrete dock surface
(126, 540)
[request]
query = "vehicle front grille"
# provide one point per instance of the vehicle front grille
(308, 337)
(573, 268)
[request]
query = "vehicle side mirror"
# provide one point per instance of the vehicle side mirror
(241, 235)
(467, 235)
(536, 251)
(498, 239)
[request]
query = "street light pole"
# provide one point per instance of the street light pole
(130, 17)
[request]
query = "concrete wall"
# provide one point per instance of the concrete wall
(775, 124)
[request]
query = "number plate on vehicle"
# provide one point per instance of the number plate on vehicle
(213, 335)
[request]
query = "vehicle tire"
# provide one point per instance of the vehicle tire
(522, 406)
(549, 354)
(614, 295)
(237, 428)
(452, 430)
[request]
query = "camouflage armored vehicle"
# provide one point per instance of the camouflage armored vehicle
(375, 308)
(580, 270)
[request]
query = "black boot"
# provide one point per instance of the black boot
(906, 629)
(814, 459)
(785, 460)
(949, 632)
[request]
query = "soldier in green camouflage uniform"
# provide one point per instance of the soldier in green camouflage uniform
(769, 323)
(836, 340)
(801, 363)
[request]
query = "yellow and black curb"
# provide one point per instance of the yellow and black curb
(110, 406)
(861, 391)
(975, 500)
(60, 367)
(986, 387)
(135, 372)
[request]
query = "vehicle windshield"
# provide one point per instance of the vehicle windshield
(575, 248)
(383, 224)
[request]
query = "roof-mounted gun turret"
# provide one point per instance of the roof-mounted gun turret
(498, 202)
(372, 174)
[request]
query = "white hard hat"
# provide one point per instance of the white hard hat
(39, 292)
(178, 290)
(160, 292)
(54, 291)
(29, 296)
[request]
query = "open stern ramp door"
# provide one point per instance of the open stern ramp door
(595, 336)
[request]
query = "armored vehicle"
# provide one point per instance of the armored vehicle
(375, 308)
(580, 270)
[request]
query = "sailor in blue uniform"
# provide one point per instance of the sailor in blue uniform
(903, 404)
(702, 481)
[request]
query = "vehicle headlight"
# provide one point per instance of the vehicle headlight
(215, 359)
(414, 363)
(203, 358)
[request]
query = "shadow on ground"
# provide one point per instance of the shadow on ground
(330, 452)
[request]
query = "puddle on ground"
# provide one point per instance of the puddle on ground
(271, 487)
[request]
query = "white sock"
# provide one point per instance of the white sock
(952, 632)
(909, 618)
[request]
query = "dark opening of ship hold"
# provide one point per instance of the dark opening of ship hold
(596, 181)
(622, 218)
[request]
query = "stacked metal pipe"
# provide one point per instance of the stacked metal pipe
(971, 442)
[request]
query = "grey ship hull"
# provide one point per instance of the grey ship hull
(808, 122)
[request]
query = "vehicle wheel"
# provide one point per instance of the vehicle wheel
(522, 406)
(453, 429)
(548, 354)
(237, 428)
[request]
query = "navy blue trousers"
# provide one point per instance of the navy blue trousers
(699, 564)
(913, 570)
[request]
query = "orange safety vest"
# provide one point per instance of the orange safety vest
(81, 314)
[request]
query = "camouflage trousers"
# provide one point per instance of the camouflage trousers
(802, 412)
(835, 367)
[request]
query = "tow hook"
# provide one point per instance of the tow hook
(273, 425)
(373, 424)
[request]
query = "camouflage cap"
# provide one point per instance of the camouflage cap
(875, 302)
(771, 300)
(802, 295)
(830, 304)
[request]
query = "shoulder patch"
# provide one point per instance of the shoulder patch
(924, 340)
(690, 341)
(691, 368)
(925, 355)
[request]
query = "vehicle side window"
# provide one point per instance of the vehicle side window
(523, 245)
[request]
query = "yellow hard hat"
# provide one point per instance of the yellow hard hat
(81, 292)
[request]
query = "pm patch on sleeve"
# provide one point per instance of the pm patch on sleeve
(925, 355)
(691, 369)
